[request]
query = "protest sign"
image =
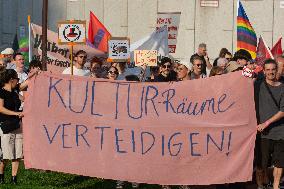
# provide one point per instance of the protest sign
(158, 40)
(197, 132)
(118, 49)
(58, 56)
(148, 57)
(171, 20)
(71, 32)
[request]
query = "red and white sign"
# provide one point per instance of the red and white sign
(171, 20)
(72, 32)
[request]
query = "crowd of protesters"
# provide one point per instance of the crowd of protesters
(269, 100)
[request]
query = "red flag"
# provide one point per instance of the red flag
(277, 48)
(98, 34)
(262, 52)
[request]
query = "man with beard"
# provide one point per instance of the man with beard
(269, 99)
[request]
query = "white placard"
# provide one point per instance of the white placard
(119, 49)
(72, 32)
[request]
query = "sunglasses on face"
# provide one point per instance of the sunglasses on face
(166, 66)
(16, 78)
(85, 57)
(113, 72)
(105, 68)
(198, 65)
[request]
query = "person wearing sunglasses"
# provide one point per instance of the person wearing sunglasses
(202, 53)
(78, 68)
(166, 73)
(197, 68)
(228, 56)
(112, 73)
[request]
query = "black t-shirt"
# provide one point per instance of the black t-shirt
(11, 102)
(203, 69)
(161, 78)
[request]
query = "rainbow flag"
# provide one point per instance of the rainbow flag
(246, 37)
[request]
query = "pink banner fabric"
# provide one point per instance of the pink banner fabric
(197, 132)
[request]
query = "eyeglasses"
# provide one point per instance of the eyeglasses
(229, 59)
(198, 65)
(113, 72)
(166, 66)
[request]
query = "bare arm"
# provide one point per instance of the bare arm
(208, 65)
(24, 85)
(5, 111)
(276, 117)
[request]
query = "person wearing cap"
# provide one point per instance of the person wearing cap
(8, 55)
(197, 68)
(183, 71)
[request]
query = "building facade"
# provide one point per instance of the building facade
(216, 26)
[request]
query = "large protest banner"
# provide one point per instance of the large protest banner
(197, 132)
(58, 56)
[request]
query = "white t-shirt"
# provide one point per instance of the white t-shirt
(23, 76)
(76, 71)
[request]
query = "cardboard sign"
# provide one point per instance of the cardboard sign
(148, 57)
(71, 32)
(119, 49)
(196, 132)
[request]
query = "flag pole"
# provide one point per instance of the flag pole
(30, 42)
(44, 35)
(71, 58)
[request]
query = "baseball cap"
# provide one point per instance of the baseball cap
(7, 51)
(186, 64)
